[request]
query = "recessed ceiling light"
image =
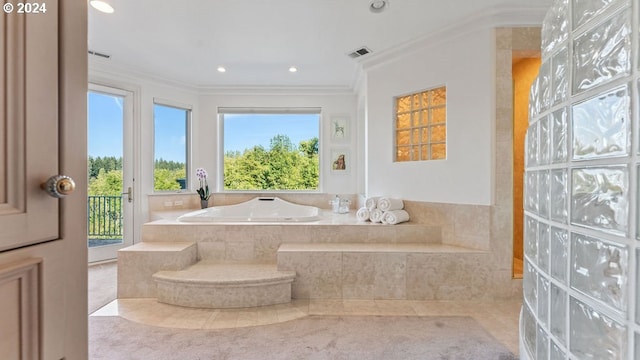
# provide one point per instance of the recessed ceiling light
(102, 6)
(293, 69)
(378, 6)
(222, 69)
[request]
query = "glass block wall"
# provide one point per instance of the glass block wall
(582, 219)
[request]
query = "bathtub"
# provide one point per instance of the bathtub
(259, 209)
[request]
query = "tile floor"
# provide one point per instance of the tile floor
(500, 318)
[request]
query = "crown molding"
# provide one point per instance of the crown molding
(277, 90)
(101, 69)
(500, 16)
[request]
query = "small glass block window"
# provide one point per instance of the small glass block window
(421, 126)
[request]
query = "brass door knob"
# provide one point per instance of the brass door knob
(59, 186)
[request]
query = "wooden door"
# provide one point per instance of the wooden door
(43, 255)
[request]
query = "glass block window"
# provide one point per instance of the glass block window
(421, 126)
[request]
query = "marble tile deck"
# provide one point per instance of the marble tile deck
(500, 318)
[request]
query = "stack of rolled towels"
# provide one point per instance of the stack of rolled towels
(383, 210)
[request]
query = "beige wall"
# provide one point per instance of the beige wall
(524, 43)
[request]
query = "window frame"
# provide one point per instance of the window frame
(188, 145)
(419, 127)
(222, 111)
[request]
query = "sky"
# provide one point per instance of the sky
(105, 125)
(241, 131)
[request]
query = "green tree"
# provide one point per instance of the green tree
(246, 171)
(106, 183)
(165, 179)
(107, 163)
(282, 167)
(309, 147)
(167, 173)
(280, 143)
(168, 165)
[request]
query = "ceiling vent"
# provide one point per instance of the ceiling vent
(360, 52)
(95, 53)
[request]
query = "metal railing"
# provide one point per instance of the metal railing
(105, 217)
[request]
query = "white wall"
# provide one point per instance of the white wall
(204, 127)
(338, 104)
(465, 65)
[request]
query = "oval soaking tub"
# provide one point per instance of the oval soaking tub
(259, 209)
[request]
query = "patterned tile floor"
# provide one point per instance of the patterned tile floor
(500, 318)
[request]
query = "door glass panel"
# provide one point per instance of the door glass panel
(105, 170)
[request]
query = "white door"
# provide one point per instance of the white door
(43, 256)
(110, 200)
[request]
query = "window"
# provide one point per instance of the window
(171, 126)
(270, 149)
(421, 126)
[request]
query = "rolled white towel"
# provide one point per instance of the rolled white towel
(395, 217)
(388, 204)
(371, 202)
(376, 215)
(363, 214)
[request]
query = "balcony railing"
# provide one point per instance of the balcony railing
(105, 217)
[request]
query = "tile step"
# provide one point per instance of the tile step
(204, 273)
(138, 263)
(215, 285)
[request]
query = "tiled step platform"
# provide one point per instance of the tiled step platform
(379, 271)
(137, 263)
(302, 269)
(222, 286)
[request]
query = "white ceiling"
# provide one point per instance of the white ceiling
(258, 40)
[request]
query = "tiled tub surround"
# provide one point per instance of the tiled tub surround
(444, 253)
(160, 203)
(581, 278)
(452, 224)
